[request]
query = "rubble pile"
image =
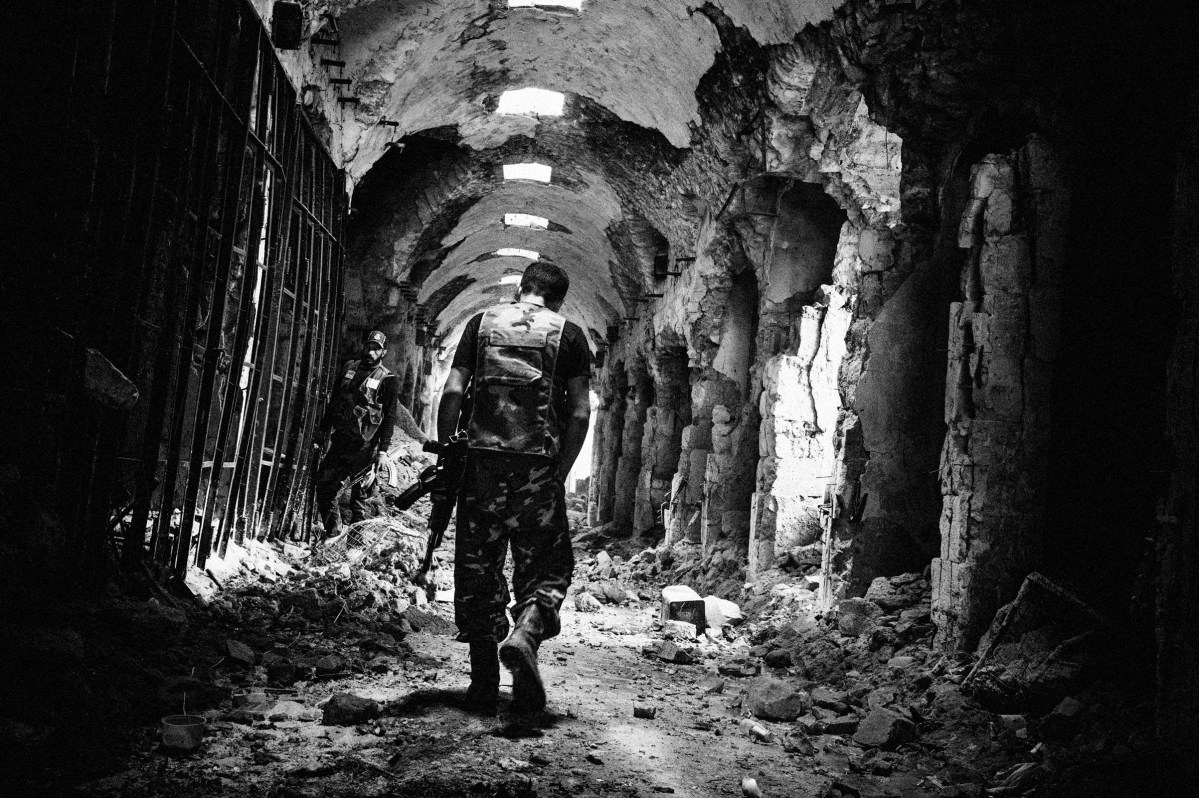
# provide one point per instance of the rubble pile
(860, 692)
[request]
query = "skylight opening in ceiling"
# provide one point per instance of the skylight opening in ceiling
(531, 101)
(538, 172)
(573, 5)
(512, 252)
(526, 220)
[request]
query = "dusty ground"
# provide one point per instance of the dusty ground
(790, 697)
(587, 743)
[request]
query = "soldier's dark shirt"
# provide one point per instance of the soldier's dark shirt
(574, 357)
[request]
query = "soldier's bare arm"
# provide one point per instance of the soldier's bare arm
(451, 403)
(578, 417)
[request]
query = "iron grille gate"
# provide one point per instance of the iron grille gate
(198, 248)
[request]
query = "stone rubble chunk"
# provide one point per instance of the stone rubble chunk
(679, 630)
(347, 709)
(429, 622)
(645, 711)
(287, 710)
(738, 668)
(667, 652)
(718, 612)
(756, 731)
(614, 593)
(240, 653)
(778, 658)
(773, 699)
(585, 602)
(330, 664)
(842, 724)
(856, 616)
(884, 728)
(896, 592)
(681, 603)
(829, 699)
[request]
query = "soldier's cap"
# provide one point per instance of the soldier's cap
(377, 337)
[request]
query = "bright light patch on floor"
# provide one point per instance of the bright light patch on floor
(525, 220)
(510, 252)
(510, 279)
(531, 102)
(573, 5)
(528, 171)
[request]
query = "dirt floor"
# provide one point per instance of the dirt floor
(331, 674)
(588, 742)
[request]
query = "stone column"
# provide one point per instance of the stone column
(1002, 344)
(660, 456)
(693, 464)
(629, 467)
(599, 455)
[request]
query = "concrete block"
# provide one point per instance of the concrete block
(718, 611)
(681, 603)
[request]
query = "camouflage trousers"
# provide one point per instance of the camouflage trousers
(343, 461)
(517, 499)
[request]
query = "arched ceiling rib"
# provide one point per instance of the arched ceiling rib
(430, 63)
(585, 252)
(441, 65)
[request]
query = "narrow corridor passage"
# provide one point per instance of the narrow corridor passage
(333, 695)
(879, 349)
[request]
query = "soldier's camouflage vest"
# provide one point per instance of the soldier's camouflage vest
(359, 411)
(513, 408)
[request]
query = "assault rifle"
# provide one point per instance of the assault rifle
(440, 482)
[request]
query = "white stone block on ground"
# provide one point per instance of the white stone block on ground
(681, 603)
(718, 611)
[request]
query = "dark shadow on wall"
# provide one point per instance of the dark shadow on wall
(1110, 454)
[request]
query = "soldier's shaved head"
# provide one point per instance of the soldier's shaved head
(547, 281)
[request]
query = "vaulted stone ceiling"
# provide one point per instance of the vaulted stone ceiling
(636, 117)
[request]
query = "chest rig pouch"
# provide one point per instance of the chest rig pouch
(359, 411)
(514, 380)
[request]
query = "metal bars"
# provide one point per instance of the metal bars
(200, 248)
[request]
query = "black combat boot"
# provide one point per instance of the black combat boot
(483, 694)
(519, 655)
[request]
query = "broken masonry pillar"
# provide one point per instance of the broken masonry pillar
(1002, 346)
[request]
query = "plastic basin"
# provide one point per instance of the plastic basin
(182, 732)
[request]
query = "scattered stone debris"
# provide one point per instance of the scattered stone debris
(854, 696)
(645, 711)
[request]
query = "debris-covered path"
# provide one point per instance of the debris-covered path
(589, 741)
(328, 673)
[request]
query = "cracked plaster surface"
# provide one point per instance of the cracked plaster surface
(430, 64)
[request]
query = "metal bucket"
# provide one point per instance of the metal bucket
(183, 732)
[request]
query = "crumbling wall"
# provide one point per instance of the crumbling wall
(1002, 346)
